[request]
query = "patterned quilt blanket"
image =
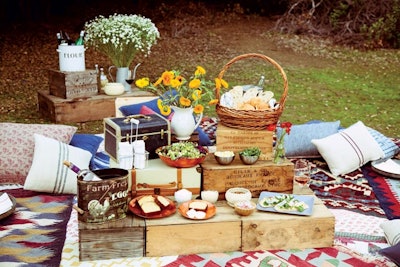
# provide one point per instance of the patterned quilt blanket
(34, 235)
(358, 237)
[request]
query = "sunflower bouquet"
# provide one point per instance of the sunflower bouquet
(176, 90)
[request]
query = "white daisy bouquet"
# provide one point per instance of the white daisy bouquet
(121, 37)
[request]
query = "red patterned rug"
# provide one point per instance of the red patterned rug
(352, 191)
(35, 233)
(387, 191)
(332, 257)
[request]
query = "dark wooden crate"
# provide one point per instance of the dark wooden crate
(113, 239)
(71, 85)
(82, 109)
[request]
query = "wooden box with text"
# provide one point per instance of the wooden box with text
(112, 239)
(231, 139)
(69, 85)
(268, 230)
(261, 176)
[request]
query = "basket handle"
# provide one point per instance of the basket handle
(265, 58)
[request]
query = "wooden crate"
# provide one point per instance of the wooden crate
(75, 84)
(262, 176)
(267, 230)
(112, 239)
(84, 109)
(176, 235)
(236, 140)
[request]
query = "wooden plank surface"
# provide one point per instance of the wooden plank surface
(178, 235)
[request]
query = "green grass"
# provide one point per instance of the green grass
(335, 94)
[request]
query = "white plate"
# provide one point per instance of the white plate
(388, 167)
(308, 199)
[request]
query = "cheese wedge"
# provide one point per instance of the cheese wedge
(163, 201)
(198, 205)
(150, 207)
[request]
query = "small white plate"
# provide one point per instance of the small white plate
(388, 167)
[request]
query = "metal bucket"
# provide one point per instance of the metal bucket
(71, 57)
(105, 200)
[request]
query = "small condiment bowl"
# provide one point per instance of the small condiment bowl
(224, 157)
(249, 160)
(224, 160)
(236, 194)
(183, 195)
(209, 195)
(245, 207)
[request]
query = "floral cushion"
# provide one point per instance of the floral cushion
(17, 147)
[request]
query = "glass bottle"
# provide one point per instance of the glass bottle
(79, 41)
(103, 79)
(260, 83)
(85, 174)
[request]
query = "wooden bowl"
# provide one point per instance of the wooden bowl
(245, 207)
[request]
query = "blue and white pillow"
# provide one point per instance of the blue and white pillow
(388, 147)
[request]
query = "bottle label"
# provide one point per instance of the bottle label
(74, 169)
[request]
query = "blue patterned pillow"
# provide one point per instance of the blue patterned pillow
(298, 142)
(387, 145)
(88, 142)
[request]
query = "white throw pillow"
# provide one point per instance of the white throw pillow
(392, 231)
(349, 149)
(48, 173)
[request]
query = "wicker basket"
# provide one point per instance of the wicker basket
(251, 119)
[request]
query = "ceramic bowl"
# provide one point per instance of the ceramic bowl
(114, 89)
(209, 195)
(224, 160)
(183, 195)
(245, 207)
(180, 162)
(249, 160)
(236, 194)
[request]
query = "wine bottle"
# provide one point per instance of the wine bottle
(60, 39)
(103, 79)
(85, 174)
(68, 39)
(79, 41)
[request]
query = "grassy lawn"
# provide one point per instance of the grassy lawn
(326, 82)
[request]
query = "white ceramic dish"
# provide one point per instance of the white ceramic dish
(390, 167)
(308, 199)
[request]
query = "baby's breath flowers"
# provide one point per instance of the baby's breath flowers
(175, 90)
(121, 37)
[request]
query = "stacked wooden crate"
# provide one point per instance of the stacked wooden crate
(264, 175)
